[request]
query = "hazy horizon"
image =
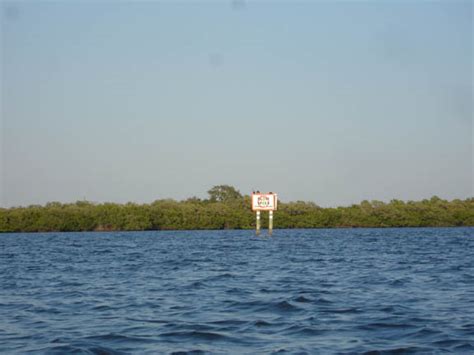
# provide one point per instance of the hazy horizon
(330, 102)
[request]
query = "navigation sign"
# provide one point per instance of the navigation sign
(264, 202)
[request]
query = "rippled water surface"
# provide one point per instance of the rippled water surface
(313, 291)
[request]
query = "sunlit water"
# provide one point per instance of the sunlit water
(313, 291)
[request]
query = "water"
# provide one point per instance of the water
(313, 291)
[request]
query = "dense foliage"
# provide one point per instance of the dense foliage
(226, 208)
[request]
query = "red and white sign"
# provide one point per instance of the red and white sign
(264, 202)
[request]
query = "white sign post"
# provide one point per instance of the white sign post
(264, 202)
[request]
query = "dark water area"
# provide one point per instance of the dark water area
(300, 291)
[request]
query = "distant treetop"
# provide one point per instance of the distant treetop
(224, 193)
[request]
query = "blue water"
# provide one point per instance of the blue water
(300, 291)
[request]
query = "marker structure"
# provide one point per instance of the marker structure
(264, 202)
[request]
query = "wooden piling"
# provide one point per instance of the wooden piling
(257, 231)
(270, 222)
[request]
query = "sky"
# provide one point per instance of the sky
(333, 102)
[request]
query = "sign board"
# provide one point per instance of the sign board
(264, 202)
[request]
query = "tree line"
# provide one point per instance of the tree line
(227, 208)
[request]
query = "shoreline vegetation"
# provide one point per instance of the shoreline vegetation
(227, 208)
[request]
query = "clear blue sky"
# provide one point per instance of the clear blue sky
(331, 102)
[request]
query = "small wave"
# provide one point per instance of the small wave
(423, 333)
(386, 325)
(341, 310)
(80, 349)
(394, 309)
(47, 310)
(468, 328)
(303, 299)
(466, 347)
(58, 340)
(267, 290)
(302, 331)
(102, 251)
(227, 322)
(323, 300)
(219, 277)
(117, 338)
(101, 308)
(400, 350)
(159, 321)
(246, 306)
(70, 284)
(195, 284)
(262, 323)
(262, 306)
(286, 306)
(188, 327)
(237, 291)
(448, 343)
(195, 334)
(398, 282)
(188, 352)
